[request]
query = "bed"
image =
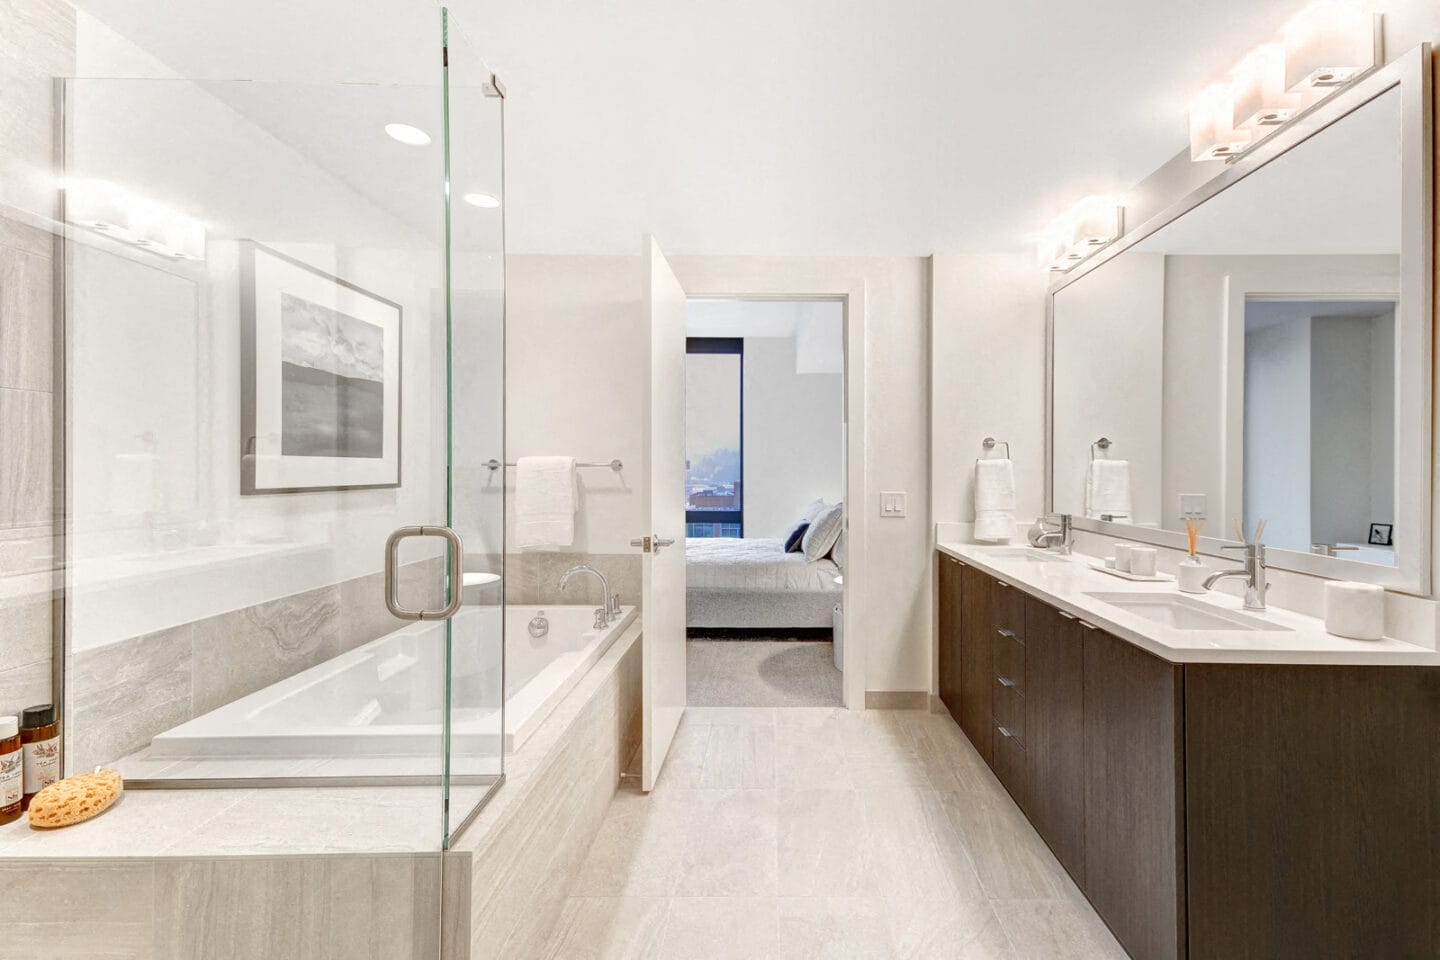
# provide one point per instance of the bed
(747, 584)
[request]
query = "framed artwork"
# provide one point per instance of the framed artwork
(320, 379)
(1381, 534)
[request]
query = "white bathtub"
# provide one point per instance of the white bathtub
(386, 698)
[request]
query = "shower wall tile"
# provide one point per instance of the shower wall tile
(85, 908)
(26, 490)
(534, 578)
(123, 694)
(240, 652)
(25, 684)
(37, 45)
(26, 321)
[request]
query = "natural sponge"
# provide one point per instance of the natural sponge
(75, 799)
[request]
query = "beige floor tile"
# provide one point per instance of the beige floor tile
(703, 928)
(739, 756)
(638, 851)
(827, 928)
(627, 928)
(1045, 929)
(1011, 860)
(821, 842)
(730, 847)
(945, 930)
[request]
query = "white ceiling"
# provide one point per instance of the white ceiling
(751, 126)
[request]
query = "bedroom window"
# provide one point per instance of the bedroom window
(714, 437)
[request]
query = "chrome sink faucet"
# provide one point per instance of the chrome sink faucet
(1253, 571)
(610, 605)
(1060, 539)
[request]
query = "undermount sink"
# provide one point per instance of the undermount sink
(1183, 613)
(1026, 553)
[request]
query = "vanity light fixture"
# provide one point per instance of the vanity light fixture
(1261, 100)
(408, 135)
(1326, 46)
(1087, 227)
(483, 200)
(117, 213)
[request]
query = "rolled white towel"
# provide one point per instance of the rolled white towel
(1107, 489)
(1355, 610)
(994, 500)
(545, 501)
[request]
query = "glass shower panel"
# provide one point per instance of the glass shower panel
(476, 233)
(257, 397)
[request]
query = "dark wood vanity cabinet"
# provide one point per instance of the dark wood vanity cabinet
(1133, 758)
(1055, 731)
(1207, 811)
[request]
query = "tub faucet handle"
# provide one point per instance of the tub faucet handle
(601, 622)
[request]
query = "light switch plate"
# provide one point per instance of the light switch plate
(893, 503)
(1192, 506)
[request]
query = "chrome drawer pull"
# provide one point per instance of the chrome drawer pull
(1006, 732)
(1005, 633)
(1006, 681)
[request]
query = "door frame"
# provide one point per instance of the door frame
(756, 279)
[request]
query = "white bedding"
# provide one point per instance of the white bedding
(755, 566)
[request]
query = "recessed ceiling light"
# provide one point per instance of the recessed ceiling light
(481, 200)
(405, 133)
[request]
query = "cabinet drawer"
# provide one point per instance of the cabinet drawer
(1009, 661)
(1010, 709)
(1008, 604)
(1010, 763)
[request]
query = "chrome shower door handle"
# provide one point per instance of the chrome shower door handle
(652, 544)
(456, 570)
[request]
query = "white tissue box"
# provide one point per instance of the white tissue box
(1355, 610)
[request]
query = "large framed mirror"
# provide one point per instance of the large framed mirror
(1263, 350)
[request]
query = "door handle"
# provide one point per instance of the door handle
(456, 570)
(652, 544)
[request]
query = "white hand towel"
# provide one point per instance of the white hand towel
(1107, 489)
(545, 498)
(994, 500)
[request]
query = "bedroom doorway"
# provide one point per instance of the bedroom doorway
(765, 485)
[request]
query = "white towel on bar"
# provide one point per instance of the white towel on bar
(545, 498)
(994, 499)
(1107, 489)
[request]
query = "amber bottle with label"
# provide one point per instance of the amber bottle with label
(40, 741)
(12, 774)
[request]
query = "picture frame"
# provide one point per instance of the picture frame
(320, 379)
(1381, 535)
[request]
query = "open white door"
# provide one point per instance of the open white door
(663, 506)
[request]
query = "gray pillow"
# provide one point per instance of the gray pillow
(837, 553)
(824, 531)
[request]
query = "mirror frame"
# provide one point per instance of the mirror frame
(1415, 395)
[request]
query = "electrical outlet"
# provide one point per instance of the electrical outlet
(892, 503)
(1192, 506)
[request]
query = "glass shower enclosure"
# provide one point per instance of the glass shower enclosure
(283, 345)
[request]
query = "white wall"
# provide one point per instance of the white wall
(1109, 345)
(1277, 433)
(575, 346)
(987, 359)
(794, 436)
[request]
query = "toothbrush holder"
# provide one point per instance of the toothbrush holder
(1190, 575)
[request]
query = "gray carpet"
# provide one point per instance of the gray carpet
(762, 673)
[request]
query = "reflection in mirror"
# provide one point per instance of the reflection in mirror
(1320, 416)
(1250, 351)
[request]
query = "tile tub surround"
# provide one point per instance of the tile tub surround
(122, 694)
(813, 832)
(521, 855)
(281, 908)
(1065, 583)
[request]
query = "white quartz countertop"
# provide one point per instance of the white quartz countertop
(1066, 582)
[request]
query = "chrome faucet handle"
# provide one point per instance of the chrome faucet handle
(601, 622)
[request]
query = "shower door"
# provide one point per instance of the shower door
(284, 341)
